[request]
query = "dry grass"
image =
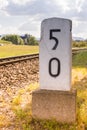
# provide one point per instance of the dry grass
(16, 50)
(20, 105)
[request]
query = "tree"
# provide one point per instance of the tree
(32, 41)
(29, 40)
(15, 39)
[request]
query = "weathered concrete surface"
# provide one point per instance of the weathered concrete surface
(51, 104)
(55, 64)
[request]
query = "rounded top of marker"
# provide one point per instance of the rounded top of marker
(57, 18)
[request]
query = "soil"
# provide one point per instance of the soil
(12, 79)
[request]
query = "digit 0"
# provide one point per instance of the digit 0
(58, 67)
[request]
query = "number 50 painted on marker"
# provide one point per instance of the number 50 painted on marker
(55, 54)
(54, 58)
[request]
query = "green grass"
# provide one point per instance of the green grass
(80, 60)
(21, 103)
(5, 42)
(23, 113)
(15, 50)
(79, 75)
(79, 81)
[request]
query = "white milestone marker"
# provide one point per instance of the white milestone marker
(55, 54)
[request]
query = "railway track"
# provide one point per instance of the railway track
(11, 60)
(77, 50)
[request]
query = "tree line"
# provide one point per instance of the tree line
(31, 40)
(79, 43)
(20, 40)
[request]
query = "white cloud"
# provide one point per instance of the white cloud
(79, 28)
(9, 30)
(0, 26)
(31, 26)
(22, 2)
(63, 4)
(3, 3)
(79, 4)
(33, 7)
(25, 16)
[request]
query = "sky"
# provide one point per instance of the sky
(25, 16)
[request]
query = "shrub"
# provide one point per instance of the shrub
(32, 41)
(15, 39)
(79, 43)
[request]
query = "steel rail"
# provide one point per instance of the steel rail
(11, 60)
(77, 50)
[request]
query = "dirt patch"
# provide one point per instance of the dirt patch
(13, 78)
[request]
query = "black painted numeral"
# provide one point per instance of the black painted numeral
(58, 67)
(54, 38)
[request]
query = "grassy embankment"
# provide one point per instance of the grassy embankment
(21, 103)
(79, 81)
(15, 50)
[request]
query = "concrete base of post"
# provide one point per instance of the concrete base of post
(52, 104)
